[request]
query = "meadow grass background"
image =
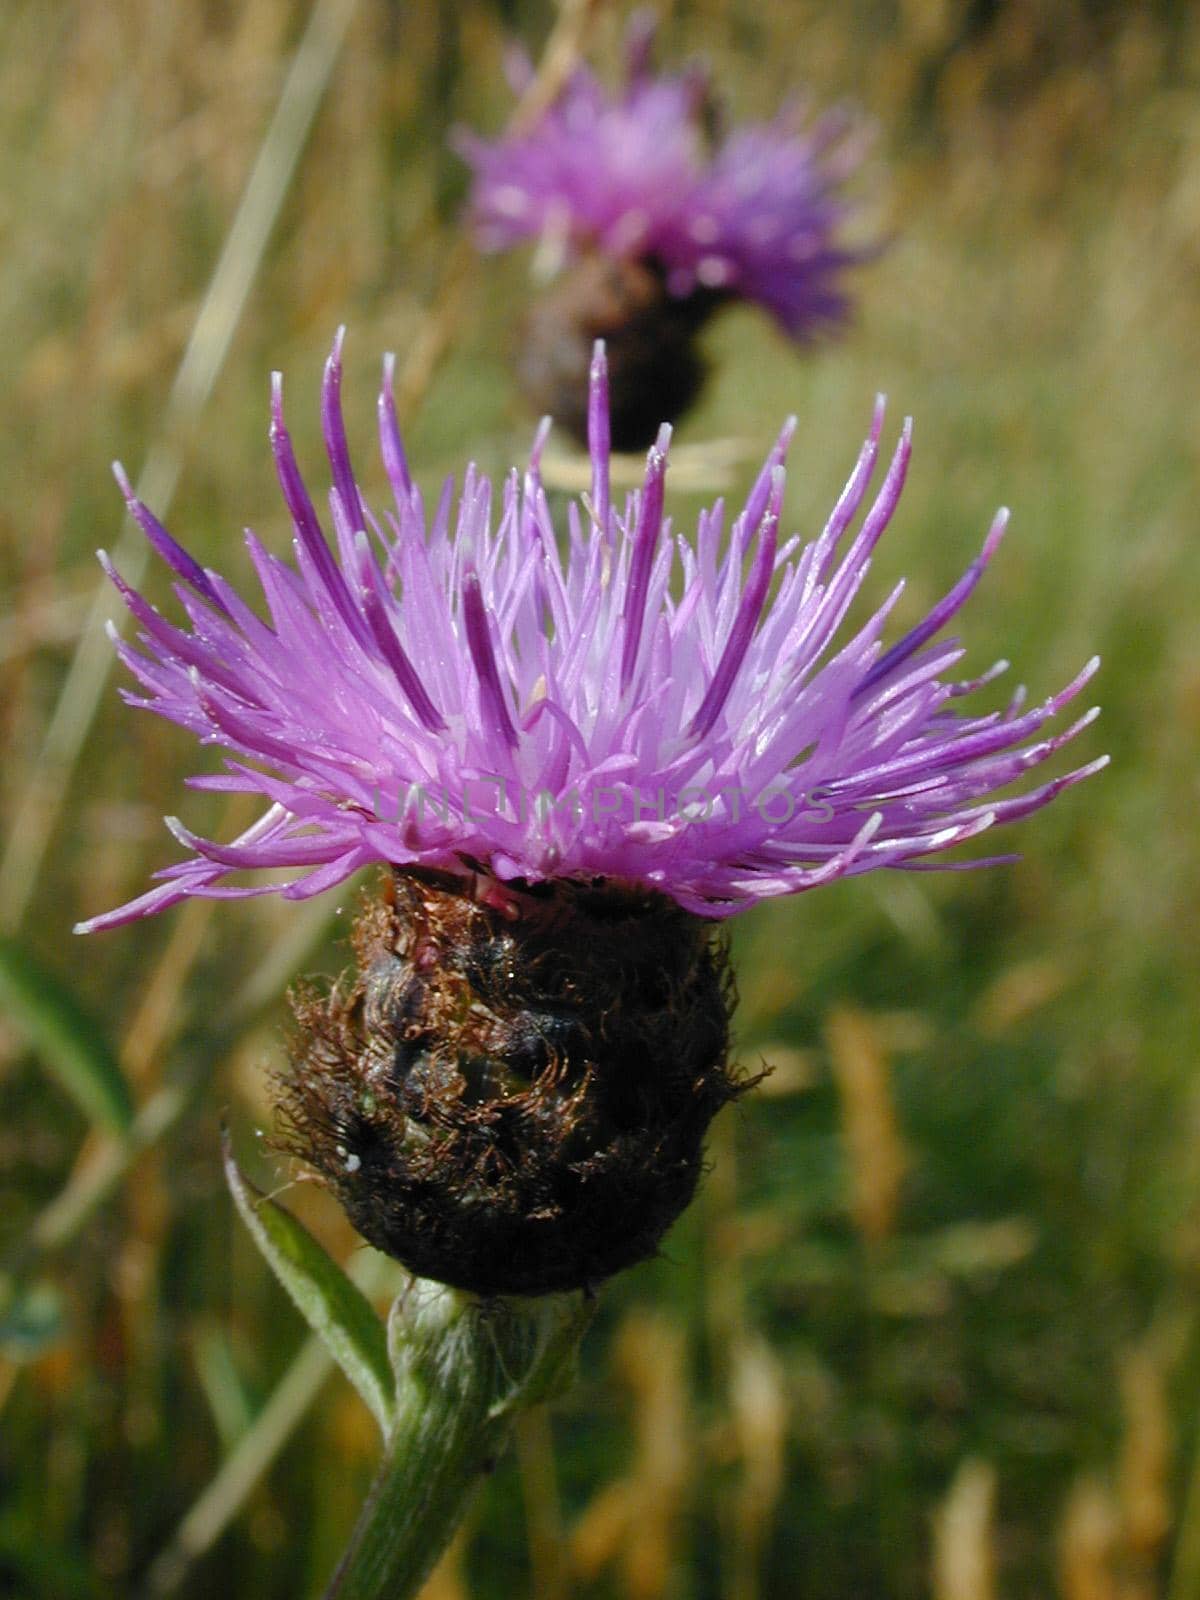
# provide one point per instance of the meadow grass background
(931, 1328)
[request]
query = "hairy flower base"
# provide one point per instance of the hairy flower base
(655, 371)
(511, 1095)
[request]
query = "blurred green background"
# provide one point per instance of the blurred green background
(931, 1328)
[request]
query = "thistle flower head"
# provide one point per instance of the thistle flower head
(640, 174)
(480, 693)
(576, 749)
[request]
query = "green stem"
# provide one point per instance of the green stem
(464, 1369)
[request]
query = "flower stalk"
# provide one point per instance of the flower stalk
(445, 1381)
(464, 1370)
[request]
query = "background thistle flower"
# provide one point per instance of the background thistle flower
(664, 216)
(572, 774)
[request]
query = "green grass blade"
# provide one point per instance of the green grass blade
(334, 1307)
(69, 1041)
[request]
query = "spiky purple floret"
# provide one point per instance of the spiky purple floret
(634, 175)
(462, 695)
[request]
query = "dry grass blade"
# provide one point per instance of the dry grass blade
(203, 359)
(559, 56)
(634, 1523)
(874, 1147)
(1145, 1466)
(1087, 1544)
(759, 1403)
(963, 1555)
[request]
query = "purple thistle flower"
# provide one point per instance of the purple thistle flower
(473, 694)
(636, 175)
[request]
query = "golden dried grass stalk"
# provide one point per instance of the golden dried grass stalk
(964, 1559)
(635, 1522)
(1087, 1544)
(870, 1131)
(1144, 1479)
(759, 1403)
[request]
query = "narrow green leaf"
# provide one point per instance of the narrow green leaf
(70, 1043)
(228, 1400)
(335, 1308)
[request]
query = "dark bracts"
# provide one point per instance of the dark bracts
(511, 1095)
(655, 369)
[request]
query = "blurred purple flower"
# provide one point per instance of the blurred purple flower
(637, 175)
(469, 694)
